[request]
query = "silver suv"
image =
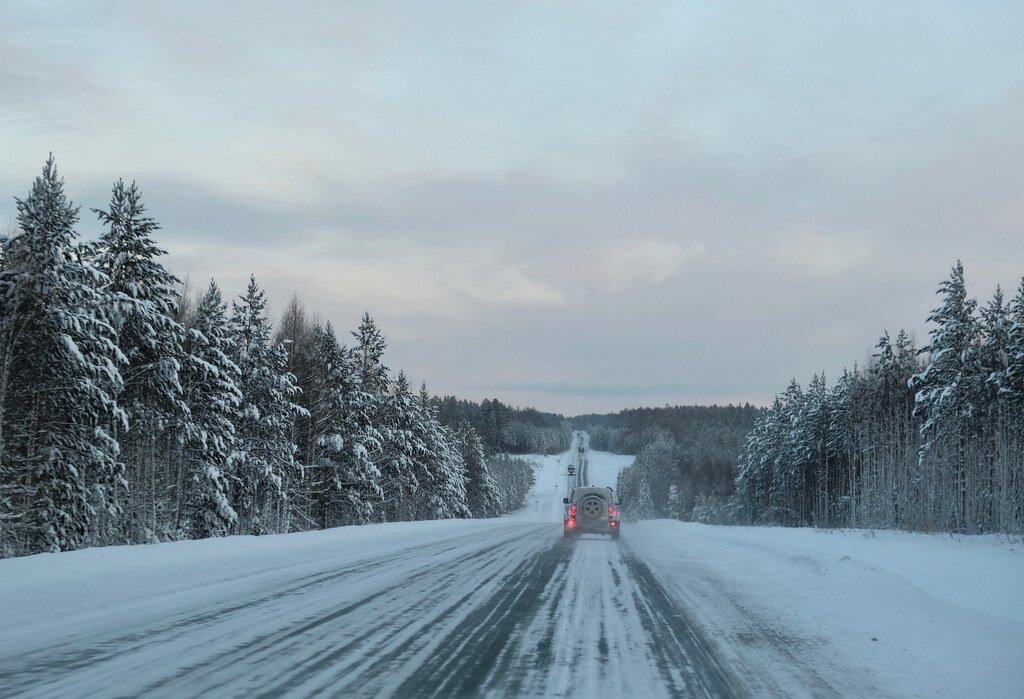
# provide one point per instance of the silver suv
(591, 511)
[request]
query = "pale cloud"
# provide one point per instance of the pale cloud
(485, 279)
(825, 254)
(405, 278)
(648, 193)
(639, 261)
(1011, 214)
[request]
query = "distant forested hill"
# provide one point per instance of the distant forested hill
(505, 429)
(686, 455)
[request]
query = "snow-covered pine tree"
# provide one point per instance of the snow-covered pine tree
(210, 382)
(263, 462)
(1012, 380)
(841, 445)
(995, 448)
(992, 354)
(942, 386)
(480, 493)
(814, 446)
(1011, 385)
(944, 401)
(60, 377)
(143, 297)
(343, 479)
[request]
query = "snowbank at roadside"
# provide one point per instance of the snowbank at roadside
(914, 614)
(981, 573)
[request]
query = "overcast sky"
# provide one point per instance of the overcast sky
(579, 206)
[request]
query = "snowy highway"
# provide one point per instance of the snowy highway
(509, 609)
(460, 608)
(506, 607)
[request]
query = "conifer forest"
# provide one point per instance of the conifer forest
(920, 438)
(131, 412)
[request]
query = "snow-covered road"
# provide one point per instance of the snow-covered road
(507, 608)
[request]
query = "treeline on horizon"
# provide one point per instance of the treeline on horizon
(697, 449)
(131, 413)
(928, 439)
(506, 429)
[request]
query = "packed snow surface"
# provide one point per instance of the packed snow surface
(506, 607)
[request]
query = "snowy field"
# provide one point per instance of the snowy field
(506, 608)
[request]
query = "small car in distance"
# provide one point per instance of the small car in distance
(591, 511)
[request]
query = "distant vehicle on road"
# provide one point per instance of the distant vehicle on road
(591, 511)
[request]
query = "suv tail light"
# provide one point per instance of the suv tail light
(611, 510)
(572, 510)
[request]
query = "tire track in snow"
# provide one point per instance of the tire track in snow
(607, 626)
(511, 611)
(478, 647)
(684, 657)
(326, 642)
(401, 632)
(222, 639)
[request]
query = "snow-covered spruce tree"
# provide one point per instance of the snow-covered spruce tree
(945, 402)
(442, 492)
(343, 480)
(658, 462)
(401, 459)
(143, 299)
(791, 466)
(60, 377)
(997, 461)
(634, 489)
(888, 417)
(297, 332)
(763, 475)
(375, 382)
(210, 384)
(454, 485)
(513, 479)
(370, 347)
(480, 492)
(1011, 449)
(753, 475)
(841, 439)
(674, 509)
(263, 462)
(1011, 382)
(426, 503)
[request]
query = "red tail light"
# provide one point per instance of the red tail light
(571, 523)
(572, 510)
(611, 510)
